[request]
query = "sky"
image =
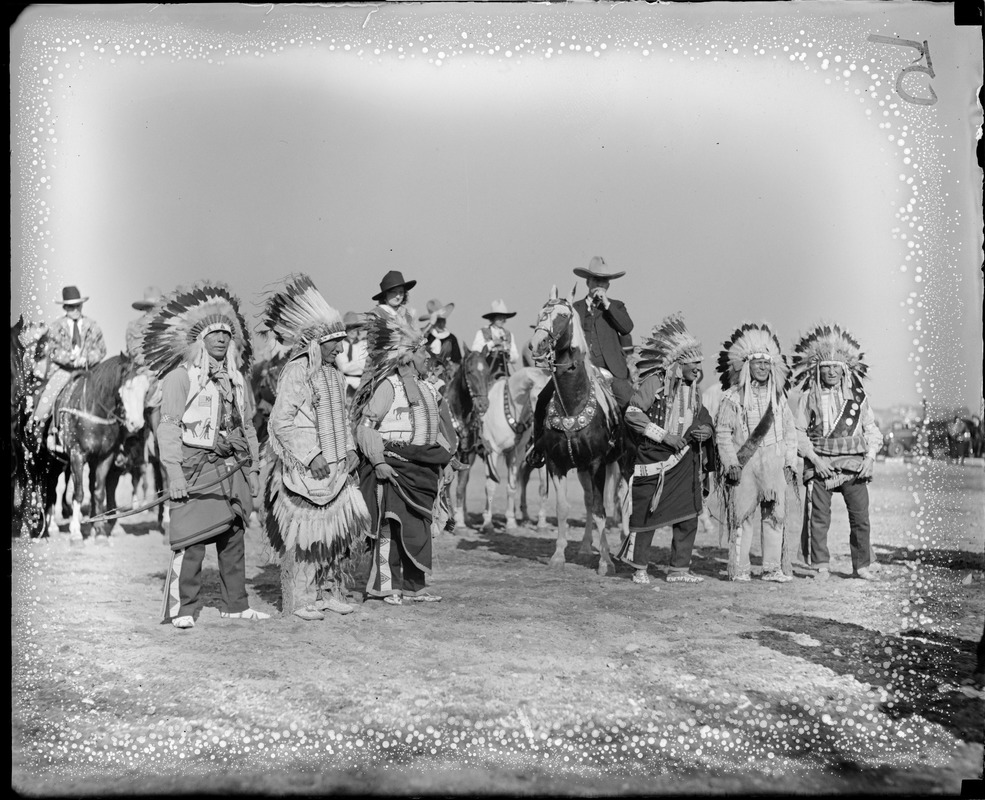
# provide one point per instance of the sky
(740, 162)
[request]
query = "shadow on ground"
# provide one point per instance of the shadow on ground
(920, 669)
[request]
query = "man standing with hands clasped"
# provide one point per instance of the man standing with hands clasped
(606, 325)
(838, 437)
(197, 342)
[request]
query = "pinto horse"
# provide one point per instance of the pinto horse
(506, 427)
(577, 426)
(467, 396)
(93, 421)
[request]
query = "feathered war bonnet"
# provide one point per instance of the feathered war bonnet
(828, 344)
(669, 345)
(301, 320)
(748, 342)
(391, 341)
(176, 331)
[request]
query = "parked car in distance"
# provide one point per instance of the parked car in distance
(900, 439)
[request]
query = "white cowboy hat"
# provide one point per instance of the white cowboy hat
(435, 310)
(595, 267)
(499, 310)
(152, 295)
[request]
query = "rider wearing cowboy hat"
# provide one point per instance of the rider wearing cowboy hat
(393, 295)
(496, 343)
(135, 338)
(351, 360)
(607, 326)
(442, 343)
(75, 343)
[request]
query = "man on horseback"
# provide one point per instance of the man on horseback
(407, 438)
(607, 326)
(757, 447)
(351, 358)
(673, 432)
(315, 510)
(838, 437)
(442, 343)
(496, 343)
(198, 344)
(75, 344)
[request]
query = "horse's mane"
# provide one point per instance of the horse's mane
(107, 376)
(578, 341)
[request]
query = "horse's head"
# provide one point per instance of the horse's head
(557, 331)
(133, 393)
(474, 374)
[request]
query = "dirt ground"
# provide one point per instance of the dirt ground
(524, 680)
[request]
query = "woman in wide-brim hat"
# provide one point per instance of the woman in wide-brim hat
(394, 294)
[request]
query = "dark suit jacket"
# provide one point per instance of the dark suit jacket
(605, 331)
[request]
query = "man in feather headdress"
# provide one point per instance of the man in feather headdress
(405, 433)
(838, 437)
(757, 447)
(197, 344)
(316, 512)
(673, 439)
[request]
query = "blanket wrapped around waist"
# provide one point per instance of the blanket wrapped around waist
(210, 511)
(407, 503)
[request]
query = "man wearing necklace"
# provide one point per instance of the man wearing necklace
(757, 447)
(838, 437)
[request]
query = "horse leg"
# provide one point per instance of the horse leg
(558, 482)
(461, 486)
(112, 482)
(604, 484)
(586, 480)
(543, 485)
(98, 491)
(78, 495)
(487, 511)
(512, 458)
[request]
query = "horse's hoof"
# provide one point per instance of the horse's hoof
(606, 568)
(117, 530)
(103, 541)
(585, 550)
(541, 523)
(557, 561)
(510, 524)
(76, 540)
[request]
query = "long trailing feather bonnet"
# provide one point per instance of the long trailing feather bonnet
(391, 342)
(753, 341)
(176, 330)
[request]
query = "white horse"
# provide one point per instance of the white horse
(502, 433)
(136, 398)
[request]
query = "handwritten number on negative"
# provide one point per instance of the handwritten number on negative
(923, 48)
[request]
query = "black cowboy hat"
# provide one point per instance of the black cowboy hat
(71, 296)
(392, 280)
(595, 267)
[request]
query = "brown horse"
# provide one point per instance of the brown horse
(577, 426)
(93, 421)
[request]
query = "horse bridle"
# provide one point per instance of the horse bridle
(549, 358)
